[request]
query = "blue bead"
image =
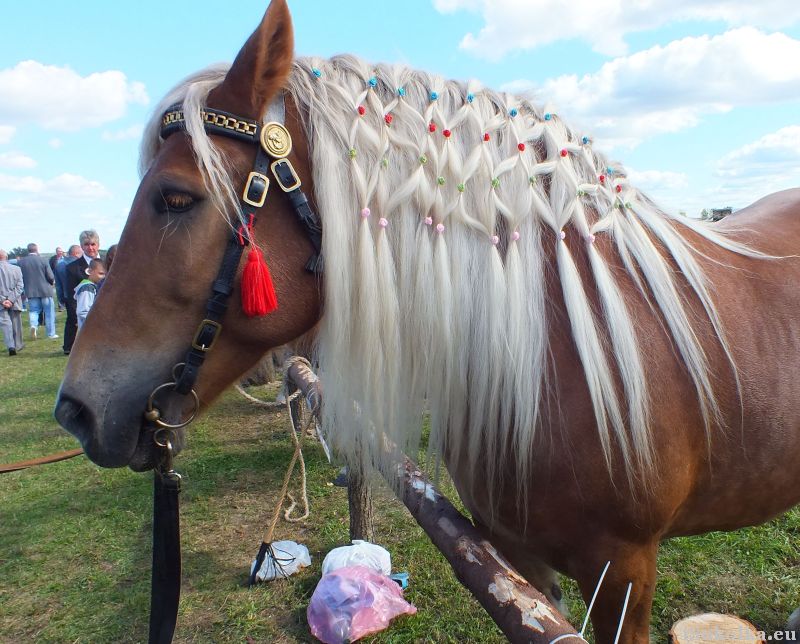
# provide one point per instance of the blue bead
(401, 91)
(434, 96)
(470, 98)
(609, 170)
(513, 112)
(585, 140)
(373, 81)
(316, 72)
(548, 116)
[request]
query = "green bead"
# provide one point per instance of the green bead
(532, 180)
(440, 181)
(352, 153)
(384, 162)
(460, 187)
(423, 159)
(495, 182)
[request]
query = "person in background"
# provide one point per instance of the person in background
(38, 280)
(53, 261)
(61, 273)
(10, 302)
(76, 272)
(110, 253)
(86, 290)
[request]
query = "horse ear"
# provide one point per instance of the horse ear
(262, 66)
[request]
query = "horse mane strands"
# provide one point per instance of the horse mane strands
(437, 300)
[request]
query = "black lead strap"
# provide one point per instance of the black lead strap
(166, 572)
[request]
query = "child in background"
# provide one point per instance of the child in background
(86, 290)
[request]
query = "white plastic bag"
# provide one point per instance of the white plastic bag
(361, 553)
(283, 558)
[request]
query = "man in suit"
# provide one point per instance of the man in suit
(10, 301)
(76, 271)
(61, 273)
(53, 261)
(38, 280)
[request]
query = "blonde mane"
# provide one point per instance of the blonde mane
(439, 203)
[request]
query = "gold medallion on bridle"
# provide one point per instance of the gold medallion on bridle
(276, 140)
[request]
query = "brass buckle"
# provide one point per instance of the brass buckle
(273, 166)
(257, 203)
(201, 327)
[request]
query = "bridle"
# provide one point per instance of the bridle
(274, 144)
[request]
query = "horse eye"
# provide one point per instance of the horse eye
(175, 202)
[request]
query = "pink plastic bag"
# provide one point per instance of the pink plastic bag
(352, 602)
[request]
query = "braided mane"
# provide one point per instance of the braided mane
(440, 202)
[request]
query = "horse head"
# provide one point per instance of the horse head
(185, 215)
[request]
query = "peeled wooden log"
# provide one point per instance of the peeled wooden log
(521, 611)
(716, 628)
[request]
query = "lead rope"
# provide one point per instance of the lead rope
(266, 547)
(166, 570)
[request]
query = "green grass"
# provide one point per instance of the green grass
(75, 539)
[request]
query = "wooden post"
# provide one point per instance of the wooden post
(359, 501)
(521, 612)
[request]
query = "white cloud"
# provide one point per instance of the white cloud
(55, 143)
(525, 24)
(671, 88)
(59, 98)
(653, 180)
(775, 153)
(16, 160)
(64, 186)
(6, 133)
(132, 132)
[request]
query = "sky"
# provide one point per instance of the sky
(699, 99)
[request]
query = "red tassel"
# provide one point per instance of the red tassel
(258, 293)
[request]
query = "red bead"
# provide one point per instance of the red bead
(362, 110)
(388, 119)
(564, 152)
(432, 127)
(486, 137)
(521, 147)
(602, 178)
(446, 133)
(619, 188)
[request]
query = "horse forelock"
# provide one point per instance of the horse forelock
(440, 203)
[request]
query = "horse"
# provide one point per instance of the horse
(598, 375)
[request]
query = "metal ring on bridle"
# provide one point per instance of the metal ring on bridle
(165, 443)
(153, 415)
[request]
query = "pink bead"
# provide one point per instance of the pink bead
(428, 221)
(439, 228)
(591, 239)
(515, 235)
(383, 222)
(562, 234)
(495, 240)
(365, 212)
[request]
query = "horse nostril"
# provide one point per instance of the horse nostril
(74, 416)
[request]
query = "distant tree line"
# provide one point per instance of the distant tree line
(17, 252)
